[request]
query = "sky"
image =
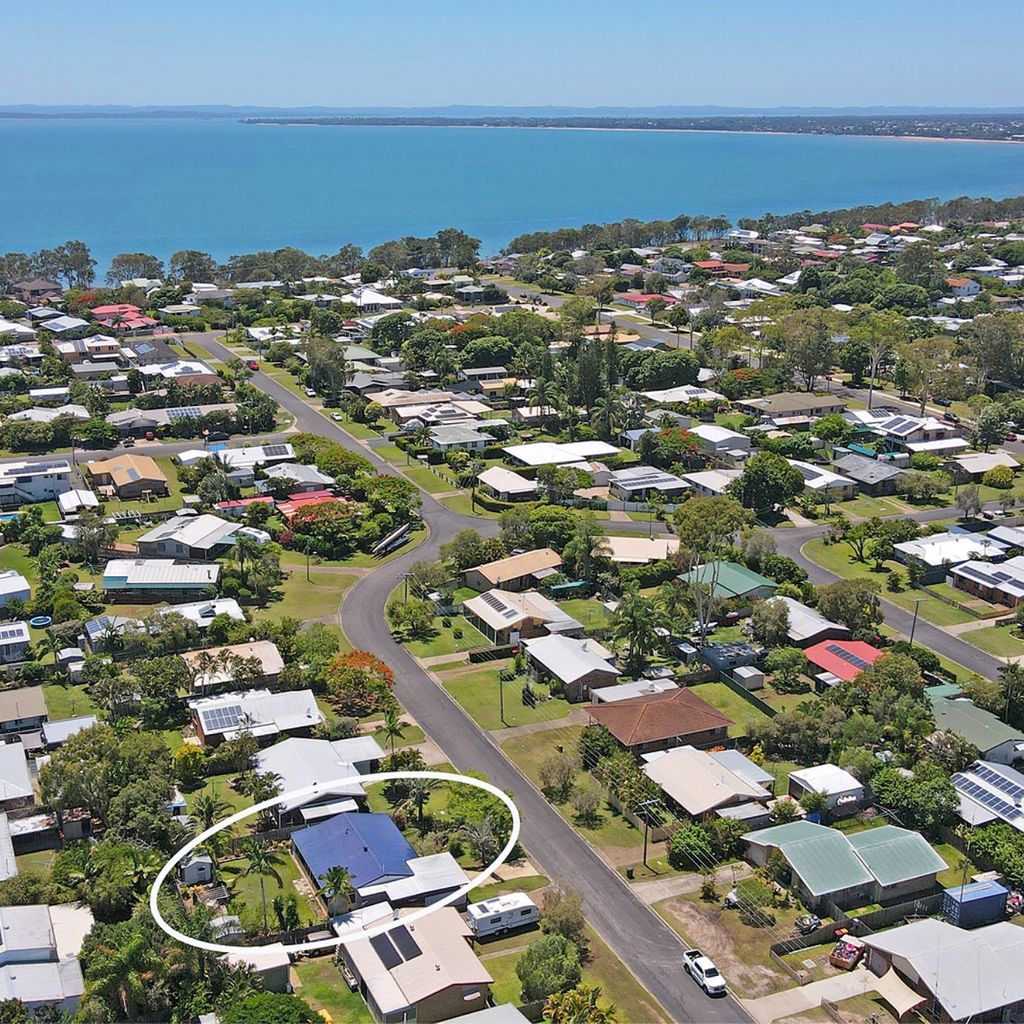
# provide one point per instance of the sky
(530, 52)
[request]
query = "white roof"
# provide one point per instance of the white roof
(300, 473)
(640, 688)
(804, 622)
(15, 781)
(201, 612)
(1007, 577)
(505, 481)
(715, 480)
(77, 498)
(640, 550)
(817, 478)
(12, 582)
(568, 659)
(982, 462)
(970, 973)
(304, 762)
(255, 455)
(941, 548)
(35, 983)
(203, 532)
(941, 444)
(717, 435)
(504, 609)
(267, 713)
(699, 783)
(827, 778)
(55, 733)
(683, 393)
(548, 453)
(264, 651)
(14, 469)
(431, 874)
(157, 572)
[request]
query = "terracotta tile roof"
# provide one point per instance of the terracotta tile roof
(658, 716)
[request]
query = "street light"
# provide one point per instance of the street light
(913, 625)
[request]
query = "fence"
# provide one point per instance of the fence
(480, 654)
(992, 613)
(751, 698)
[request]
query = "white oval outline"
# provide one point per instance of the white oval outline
(356, 931)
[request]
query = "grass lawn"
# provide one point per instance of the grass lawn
(997, 640)
(781, 770)
(477, 692)
(463, 504)
(742, 712)
(392, 453)
(246, 888)
(14, 556)
(40, 861)
(425, 478)
(318, 598)
(865, 507)
(67, 702)
(527, 883)
(589, 611)
(445, 642)
(954, 874)
(411, 734)
(784, 701)
(323, 987)
(836, 558)
(604, 969)
(358, 560)
(220, 787)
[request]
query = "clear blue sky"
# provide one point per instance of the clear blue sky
(566, 52)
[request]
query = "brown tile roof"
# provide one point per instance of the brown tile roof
(657, 716)
(515, 566)
(128, 469)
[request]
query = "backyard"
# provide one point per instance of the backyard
(741, 711)
(323, 987)
(317, 598)
(245, 889)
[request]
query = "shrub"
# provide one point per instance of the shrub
(1000, 477)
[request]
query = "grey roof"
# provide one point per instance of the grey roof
(506, 1013)
(743, 766)
(300, 763)
(867, 471)
(298, 472)
(806, 623)
(895, 855)
(970, 973)
(55, 733)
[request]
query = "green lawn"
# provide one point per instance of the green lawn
(67, 702)
(954, 873)
(478, 694)
(40, 861)
(445, 642)
(392, 453)
(424, 477)
(323, 987)
(997, 640)
(836, 558)
(14, 556)
(526, 883)
(864, 507)
(220, 787)
(358, 560)
(742, 712)
(411, 735)
(589, 611)
(316, 599)
(463, 504)
(246, 888)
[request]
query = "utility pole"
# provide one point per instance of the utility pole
(642, 807)
(913, 625)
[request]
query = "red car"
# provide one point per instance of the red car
(253, 365)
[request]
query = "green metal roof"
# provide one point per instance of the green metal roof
(734, 580)
(943, 690)
(895, 855)
(980, 728)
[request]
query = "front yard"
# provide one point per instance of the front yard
(997, 640)
(477, 691)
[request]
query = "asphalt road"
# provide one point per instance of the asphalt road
(651, 950)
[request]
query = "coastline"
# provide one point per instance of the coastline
(639, 129)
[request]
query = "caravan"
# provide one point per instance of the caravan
(502, 914)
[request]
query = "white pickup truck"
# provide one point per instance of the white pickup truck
(704, 972)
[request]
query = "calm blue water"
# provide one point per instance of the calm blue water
(157, 186)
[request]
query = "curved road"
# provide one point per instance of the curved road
(650, 949)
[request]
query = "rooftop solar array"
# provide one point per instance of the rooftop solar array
(1012, 789)
(395, 947)
(186, 412)
(996, 804)
(274, 450)
(848, 656)
(219, 719)
(499, 606)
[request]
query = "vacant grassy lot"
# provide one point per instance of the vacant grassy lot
(445, 641)
(67, 702)
(589, 611)
(478, 693)
(424, 477)
(316, 598)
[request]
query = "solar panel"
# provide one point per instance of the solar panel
(494, 602)
(848, 656)
(184, 413)
(275, 449)
(217, 719)
(385, 950)
(996, 804)
(405, 942)
(1000, 782)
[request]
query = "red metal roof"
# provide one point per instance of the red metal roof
(828, 658)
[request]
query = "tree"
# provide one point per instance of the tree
(579, 1005)
(769, 622)
(924, 801)
(269, 1008)
(768, 481)
(655, 306)
(807, 344)
(557, 776)
(191, 265)
(588, 544)
(391, 727)
(636, 621)
(262, 862)
(880, 334)
(852, 602)
(120, 965)
(786, 665)
(129, 265)
(989, 427)
(689, 848)
(336, 884)
(562, 914)
(968, 501)
(550, 964)
(926, 361)
(678, 316)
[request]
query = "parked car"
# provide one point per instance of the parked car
(310, 393)
(128, 442)
(1009, 436)
(253, 365)
(336, 416)
(951, 417)
(218, 435)
(944, 402)
(808, 923)
(703, 971)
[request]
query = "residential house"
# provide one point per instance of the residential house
(639, 483)
(24, 483)
(506, 617)
(216, 667)
(548, 453)
(56, 734)
(38, 414)
(699, 784)
(638, 688)
(22, 711)
(844, 791)
(66, 326)
(425, 972)
(660, 721)
(13, 587)
(382, 865)
(720, 442)
(202, 613)
(248, 458)
(574, 666)
(731, 581)
(959, 975)
(684, 394)
(712, 483)
(506, 485)
(36, 291)
(14, 642)
(128, 476)
(821, 481)
(266, 715)
(532, 415)
(638, 550)
(238, 507)
(829, 867)
(841, 660)
(157, 579)
(807, 626)
(872, 476)
(989, 793)
(791, 407)
(920, 434)
(39, 965)
(305, 478)
(299, 502)
(138, 422)
(974, 465)
(963, 287)
(995, 740)
(458, 437)
(936, 553)
(15, 779)
(516, 572)
(1000, 584)
(192, 537)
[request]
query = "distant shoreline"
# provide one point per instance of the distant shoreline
(266, 123)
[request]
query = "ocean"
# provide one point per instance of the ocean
(155, 185)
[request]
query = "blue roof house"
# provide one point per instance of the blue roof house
(369, 846)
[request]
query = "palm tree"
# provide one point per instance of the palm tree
(123, 974)
(587, 543)
(673, 600)
(391, 727)
(544, 393)
(262, 862)
(579, 1005)
(636, 621)
(608, 411)
(336, 885)
(482, 839)
(208, 809)
(246, 550)
(417, 794)
(144, 867)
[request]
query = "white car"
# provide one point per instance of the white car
(310, 393)
(336, 416)
(703, 971)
